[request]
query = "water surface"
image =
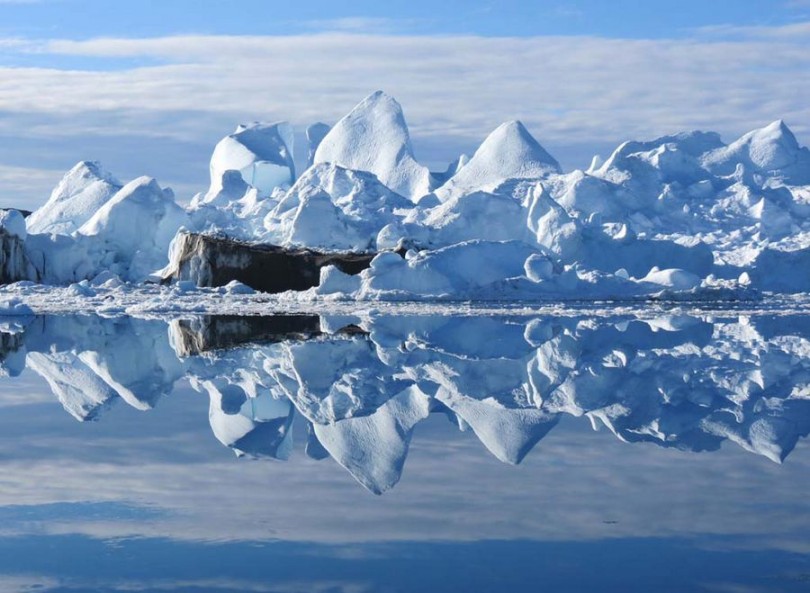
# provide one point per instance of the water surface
(418, 453)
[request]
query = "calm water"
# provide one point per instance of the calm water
(650, 453)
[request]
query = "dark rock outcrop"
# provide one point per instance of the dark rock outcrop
(14, 262)
(212, 261)
(25, 213)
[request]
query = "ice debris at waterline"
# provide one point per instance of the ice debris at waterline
(360, 385)
(683, 216)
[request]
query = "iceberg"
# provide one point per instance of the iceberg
(683, 216)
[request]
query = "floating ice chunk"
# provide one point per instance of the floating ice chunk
(81, 289)
(453, 270)
(334, 208)
(236, 287)
(262, 153)
(672, 278)
(13, 223)
(333, 281)
(538, 267)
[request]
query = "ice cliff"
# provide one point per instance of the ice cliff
(684, 216)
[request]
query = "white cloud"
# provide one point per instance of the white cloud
(570, 91)
(361, 24)
(17, 183)
(796, 31)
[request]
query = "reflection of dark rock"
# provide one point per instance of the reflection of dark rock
(10, 343)
(228, 331)
(12, 354)
(220, 332)
(215, 261)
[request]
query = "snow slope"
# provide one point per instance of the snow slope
(81, 193)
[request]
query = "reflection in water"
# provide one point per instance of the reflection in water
(362, 385)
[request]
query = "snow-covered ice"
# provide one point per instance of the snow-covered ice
(80, 194)
(684, 216)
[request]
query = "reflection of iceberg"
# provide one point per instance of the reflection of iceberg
(255, 426)
(89, 361)
(80, 390)
(361, 385)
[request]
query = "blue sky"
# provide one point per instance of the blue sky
(80, 19)
(149, 87)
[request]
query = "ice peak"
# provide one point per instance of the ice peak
(86, 171)
(517, 151)
(509, 152)
(771, 148)
(90, 169)
(776, 132)
(78, 196)
(374, 137)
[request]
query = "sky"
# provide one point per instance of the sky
(148, 88)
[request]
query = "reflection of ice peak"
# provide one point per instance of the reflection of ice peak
(81, 391)
(508, 433)
(373, 448)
